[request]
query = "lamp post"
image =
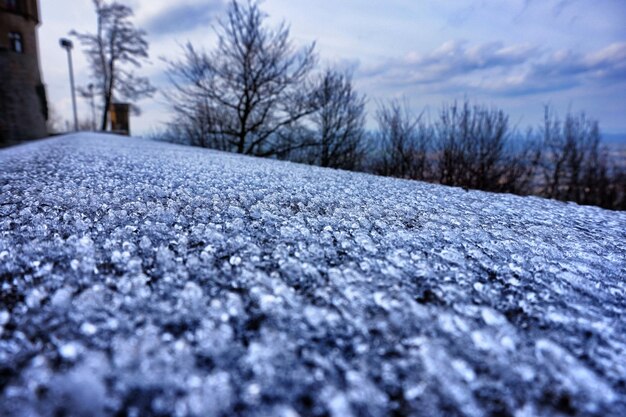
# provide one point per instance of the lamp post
(93, 107)
(67, 45)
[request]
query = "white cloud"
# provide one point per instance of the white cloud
(500, 69)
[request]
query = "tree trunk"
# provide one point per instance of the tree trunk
(108, 95)
(105, 113)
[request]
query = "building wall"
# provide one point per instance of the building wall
(23, 107)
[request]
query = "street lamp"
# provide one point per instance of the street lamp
(93, 107)
(67, 45)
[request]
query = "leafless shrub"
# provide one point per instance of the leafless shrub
(403, 142)
(575, 166)
(338, 124)
(471, 146)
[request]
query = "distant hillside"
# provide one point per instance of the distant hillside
(619, 138)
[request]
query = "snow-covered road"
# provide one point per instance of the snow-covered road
(141, 278)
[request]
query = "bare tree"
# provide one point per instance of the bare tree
(575, 165)
(615, 196)
(555, 156)
(472, 147)
(246, 92)
(403, 142)
(339, 123)
(115, 48)
(453, 132)
(520, 164)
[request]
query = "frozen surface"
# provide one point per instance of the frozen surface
(146, 279)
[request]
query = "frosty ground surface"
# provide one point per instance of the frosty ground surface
(145, 279)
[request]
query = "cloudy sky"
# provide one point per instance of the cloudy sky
(515, 54)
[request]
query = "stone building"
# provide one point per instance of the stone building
(23, 106)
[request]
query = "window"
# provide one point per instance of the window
(16, 42)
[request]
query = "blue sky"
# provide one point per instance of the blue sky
(515, 54)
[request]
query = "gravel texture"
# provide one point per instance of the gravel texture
(139, 278)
